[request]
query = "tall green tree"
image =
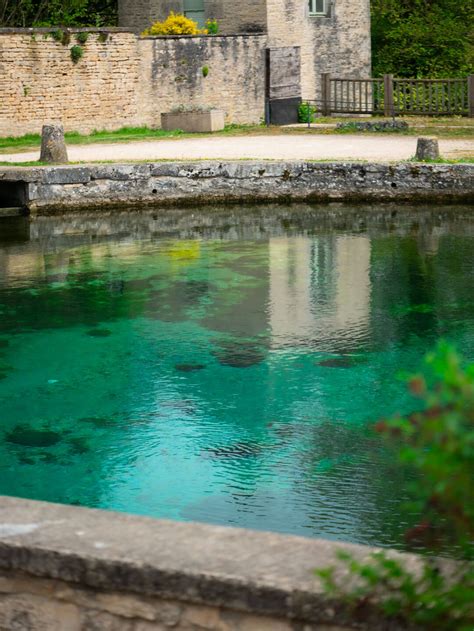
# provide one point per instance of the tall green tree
(423, 38)
(21, 13)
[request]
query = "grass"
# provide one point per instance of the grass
(455, 127)
(466, 160)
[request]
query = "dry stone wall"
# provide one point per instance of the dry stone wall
(123, 80)
(40, 84)
(172, 72)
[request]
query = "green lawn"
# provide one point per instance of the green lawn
(455, 127)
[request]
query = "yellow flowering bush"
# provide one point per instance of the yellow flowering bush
(175, 24)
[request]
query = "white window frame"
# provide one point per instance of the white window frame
(313, 8)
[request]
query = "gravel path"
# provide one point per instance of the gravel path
(287, 147)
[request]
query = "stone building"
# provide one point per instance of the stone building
(327, 36)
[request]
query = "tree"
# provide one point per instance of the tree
(423, 38)
(24, 13)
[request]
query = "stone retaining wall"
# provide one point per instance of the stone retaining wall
(122, 80)
(56, 189)
(64, 568)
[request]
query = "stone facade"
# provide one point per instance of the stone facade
(124, 81)
(245, 16)
(338, 43)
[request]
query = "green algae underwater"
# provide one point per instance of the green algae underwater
(225, 371)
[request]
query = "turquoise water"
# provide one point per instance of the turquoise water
(226, 374)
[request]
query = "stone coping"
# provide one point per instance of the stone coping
(58, 189)
(69, 29)
(250, 571)
(204, 36)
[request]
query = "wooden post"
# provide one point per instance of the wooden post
(326, 93)
(470, 95)
(389, 108)
(267, 87)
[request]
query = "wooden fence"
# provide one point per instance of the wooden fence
(390, 96)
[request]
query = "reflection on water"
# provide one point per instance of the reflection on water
(225, 366)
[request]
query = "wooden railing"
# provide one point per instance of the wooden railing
(390, 96)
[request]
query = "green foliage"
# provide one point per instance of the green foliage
(424, 597)
(437, 444)
(212, 27)
(423, 38)
(77, 52)
(22, 13)
(205, 71)
(306, 112)
(82, 37)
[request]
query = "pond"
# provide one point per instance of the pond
(225, 365)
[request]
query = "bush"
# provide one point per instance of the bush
(306, 113)
(77, 53)
(212, 27)
(175, 24)
(437, 443)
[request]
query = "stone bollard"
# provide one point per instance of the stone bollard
(427, 148)
(53, 147)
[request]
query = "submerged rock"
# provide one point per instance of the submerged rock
(98, 421)
(340, 362)
(27, 437)
(189, 367)
(235, 450)
(99, 332)
(4, 343)
(239, 354)
(78, 445)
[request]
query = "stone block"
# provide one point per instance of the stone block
(53, 145)
(427, 148)
(213, 120)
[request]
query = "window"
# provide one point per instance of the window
(319, 7)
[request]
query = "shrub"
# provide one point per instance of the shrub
(77, 53)
(175, 24)
(82, 37)
(437, 443)
(306, 112)
(212, 27)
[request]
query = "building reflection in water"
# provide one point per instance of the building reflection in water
(320, 291)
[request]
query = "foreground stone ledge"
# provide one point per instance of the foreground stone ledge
(56, 189)
(68, 568)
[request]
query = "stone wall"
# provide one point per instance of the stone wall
(122, 80)
(64, 568)
(171, 71)
(40, 83)
(50, 190)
